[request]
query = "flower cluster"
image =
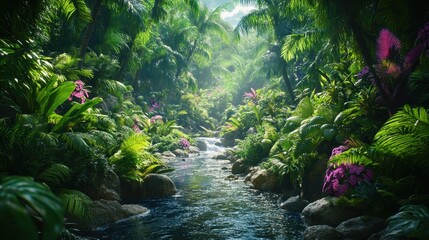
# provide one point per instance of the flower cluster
(251, 95)
(184, 143)
(338, 150)
(154, 105)
(339, 179)
(155, 119)
(79, 92)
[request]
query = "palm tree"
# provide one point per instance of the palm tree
(276, 16)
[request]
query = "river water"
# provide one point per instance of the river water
(208, 205)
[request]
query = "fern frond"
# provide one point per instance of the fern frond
(75, 203)
(55, 175)
(76, 142)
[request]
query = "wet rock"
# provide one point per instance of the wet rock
(326, 211)
(154, 185)
(239, 167)
(104, 212)
(193, 149)
(108, 194)
(294, 204)
(361, 227)
(202, 145)
(220, 157)
(312, 181)
(265, 181)
(224, 168)
(180, 153)
(168, 154)
(321, 232)
(158, 185)
(382, 236)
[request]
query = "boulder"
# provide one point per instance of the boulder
(104, 212)
(158, 185)
(202, 145)
(294, 204)
(220, 157)
(153, 186)
(321, 232)
(239, 167)
(382, 236)
(265, 181)
(312, 181)
(180, 153)
(326, 211)
(168, 154)
(361, 227)
(193, 149)
(108, 194)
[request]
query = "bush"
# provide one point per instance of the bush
(251, 149)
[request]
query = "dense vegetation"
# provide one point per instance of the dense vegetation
(92, 86)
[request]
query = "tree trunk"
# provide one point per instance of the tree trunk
(88, 32)
(287, 80)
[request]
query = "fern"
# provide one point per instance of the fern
(405, 134)
(55, 175)
(75, 203)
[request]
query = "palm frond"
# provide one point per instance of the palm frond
(55, 175)
(76, 12)
(75, 203)
(76, 142)
(257, 19)
(406, 133)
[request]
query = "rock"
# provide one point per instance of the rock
(202, 145)
(168, 154)
(224, 168)
(153, 185)
(180, 153)
(104, 212)
(321, 232)
(294, 204)
(193, 149)
(220, 157)
(265, 181)
(361, 227)
(325, 211)
(250, 172)
(312, 181)
(239, 167)
(158, 185)
(108, 194)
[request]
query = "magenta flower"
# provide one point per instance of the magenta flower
(184, 143)
(338, 150)
(340, 179)
(156, 118)
(79, 92)
(155, 105)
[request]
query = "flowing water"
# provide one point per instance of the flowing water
(208, 205)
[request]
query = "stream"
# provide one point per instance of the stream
(208, 205)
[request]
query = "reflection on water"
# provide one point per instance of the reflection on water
(208, 206)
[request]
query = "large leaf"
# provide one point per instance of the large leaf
(23, 202)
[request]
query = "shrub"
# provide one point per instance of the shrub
(251, 149)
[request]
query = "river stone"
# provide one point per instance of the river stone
(264, 180)
(361, 227)
(326, 211)
(220, 157)
(168, 154)
(180, 153)
(239, 167)
(157, 185)
(202, 145)
(193, 149)
(108, 194)
(382, 236)
(104, 212)
(294, 204)
(321, 232)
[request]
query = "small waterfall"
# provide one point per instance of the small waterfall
(213, 144)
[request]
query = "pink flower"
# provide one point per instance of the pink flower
(79, 92)
(338, 150)
(252, 94)
(184, 143)
(156, 118)
(136, 128)
(387, 45)
(354, 169)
